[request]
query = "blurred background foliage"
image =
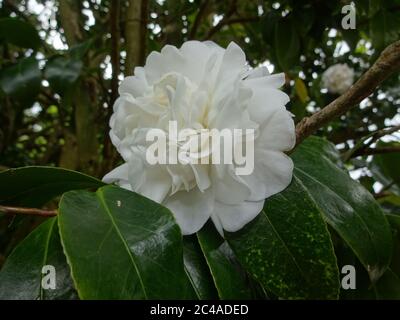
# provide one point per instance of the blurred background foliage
(61, 63)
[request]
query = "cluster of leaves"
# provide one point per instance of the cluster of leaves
(54, 107)
(116, 244)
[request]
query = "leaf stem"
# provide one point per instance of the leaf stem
(28, 211)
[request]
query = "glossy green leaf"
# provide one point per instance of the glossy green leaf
(388, 286)
(22, 80)
(384, 28)
(386, 167)
(21, 276)
(197, 269)
(62, 72)
(351, 37)
(121, 245)
(287, 248)
(305, 18)
(287, 43)
(34, 186)
(19, 33)
(347, 206)
(230, 279)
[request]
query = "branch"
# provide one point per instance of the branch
(379, 150)
(28, 211)
(70, 21)
(135, 34)
(361, 146)
(115, 44)
(384, 132)
(198, 19)
(387, 63)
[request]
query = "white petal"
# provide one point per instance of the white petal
(197, 55)
(119, 173)
(235, 217)
(233, 62)
(232, 68)
(277, 132)
(272, 173)
(201, 174)
(155, 185)
(133, 85)
(154, 67)
(230, 189)
(264, 102)
(272, 81)
(189, 61)
(257, 72)
(191, 209)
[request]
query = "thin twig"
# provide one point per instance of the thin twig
(28, 211)
(387, 63)
(360, 146)
(379, 150)
(115, 45)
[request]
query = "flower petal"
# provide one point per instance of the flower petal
(230, 189)
(191, 209)
(235, 217)
(277, 132)
(272, 173)
(120, 173)
(264, 102)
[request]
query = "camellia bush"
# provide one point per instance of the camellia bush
(85, 215)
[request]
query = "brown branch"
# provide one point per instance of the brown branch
(379, 150)
(28, 211)
(115, 48)
(70, 21)
(360, 147)
(387, 63)
(384, 132)
(198, 19)
(135, 34)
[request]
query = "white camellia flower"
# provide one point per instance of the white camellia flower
(203, 86)
(338, 78)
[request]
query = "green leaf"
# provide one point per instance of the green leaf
(287, 248)
(287, 43)
(394, 220)
(22, 80)
(121, 245)
(384, 28)
(62, 72)
(19, 33)
(34, 186)
(230, 279)
(385, 167)
(347, 206)
(351, 37)
(388, 286)
(374, 6)
(305, 17)
(197, 269)
(21, 276)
